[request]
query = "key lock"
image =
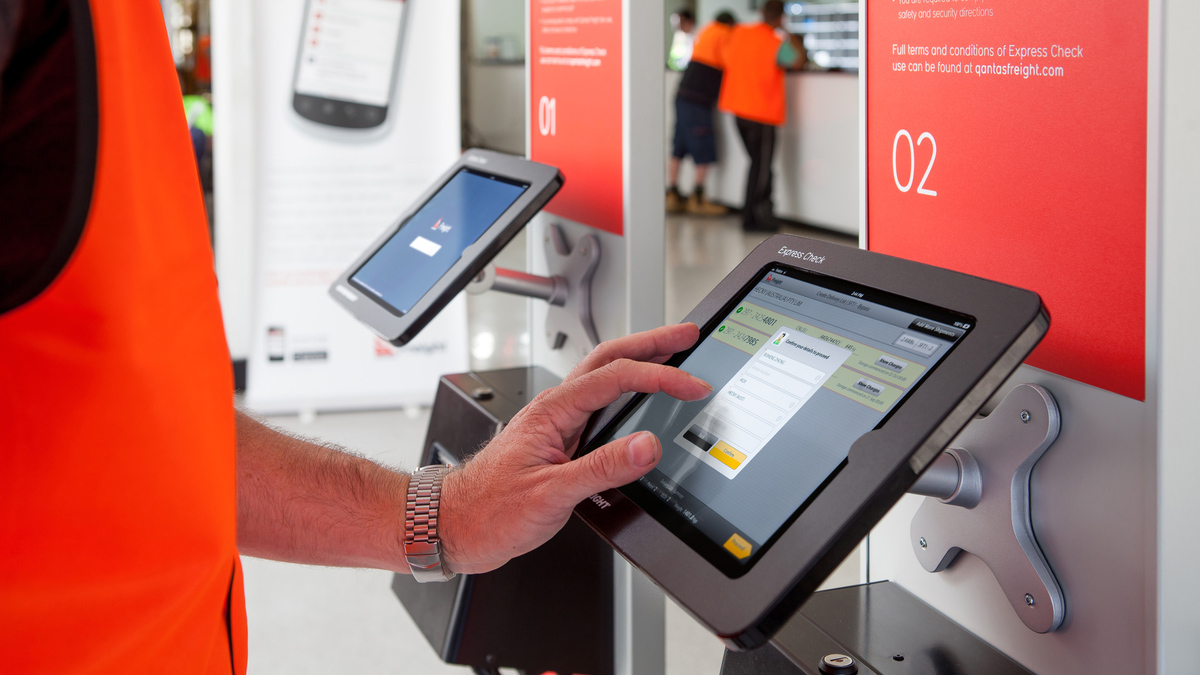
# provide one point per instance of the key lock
(977, 500)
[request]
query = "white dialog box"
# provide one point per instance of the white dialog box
(761, 398)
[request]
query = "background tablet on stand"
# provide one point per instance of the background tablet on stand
(435, 248)
(839, 375)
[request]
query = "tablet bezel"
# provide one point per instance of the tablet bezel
(543, 180)
(712, 550)
(745, 611)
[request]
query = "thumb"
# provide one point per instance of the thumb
(611, 465)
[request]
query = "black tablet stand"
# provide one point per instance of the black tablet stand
(548, 610)
(874, 629)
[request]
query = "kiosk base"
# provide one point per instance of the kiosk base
(883, 628)
(548, 610)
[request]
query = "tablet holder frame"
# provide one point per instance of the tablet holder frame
(1010, 323)
(399, 328)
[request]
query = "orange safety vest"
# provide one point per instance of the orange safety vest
(754, 87)
(710, 45)
(118, 504)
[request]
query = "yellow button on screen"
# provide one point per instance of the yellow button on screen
(739, 547)
(727, 454)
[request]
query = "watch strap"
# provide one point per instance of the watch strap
(422, 542)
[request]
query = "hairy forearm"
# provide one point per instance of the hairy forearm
(304, 502)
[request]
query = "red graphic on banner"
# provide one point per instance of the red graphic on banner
(1007, 139)
(576, 106)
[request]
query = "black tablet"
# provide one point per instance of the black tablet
(435, 248)
(839, 375)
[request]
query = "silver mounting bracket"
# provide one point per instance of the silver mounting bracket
(978, 501)
(569, 290)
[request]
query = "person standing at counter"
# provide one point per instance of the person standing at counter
(754, 91)
(694, 103)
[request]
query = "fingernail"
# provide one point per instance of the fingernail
(643, 449)
(706, 384)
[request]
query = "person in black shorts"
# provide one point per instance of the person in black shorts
(694, 104)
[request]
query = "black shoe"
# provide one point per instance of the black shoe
(760, 226)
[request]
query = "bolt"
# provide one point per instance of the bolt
(923, 543)
(897, 657)
(1025, 416)
(1029, 599)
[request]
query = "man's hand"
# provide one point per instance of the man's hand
(517, 492)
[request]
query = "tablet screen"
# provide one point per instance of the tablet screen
(404, 269)
(802, 365)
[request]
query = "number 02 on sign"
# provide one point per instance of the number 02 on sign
(912, 162)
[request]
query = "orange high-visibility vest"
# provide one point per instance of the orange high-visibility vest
(118, 505)
(710, 45)
(754, 86)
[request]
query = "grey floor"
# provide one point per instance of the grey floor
(327, 620)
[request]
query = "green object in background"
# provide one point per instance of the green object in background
(739, 310)
(198, 111)
(721, 329)
(681, 51)
(787, 56)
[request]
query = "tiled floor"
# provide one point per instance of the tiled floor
(326, 620)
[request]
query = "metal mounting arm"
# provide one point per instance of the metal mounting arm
(553, 290)
(569, 291)
(978, 501)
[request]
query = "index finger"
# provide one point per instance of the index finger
(658, 343)
(571, 403)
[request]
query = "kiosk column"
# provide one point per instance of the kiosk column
(595, 110)
(1023, 142)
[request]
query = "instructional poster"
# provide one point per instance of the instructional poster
(326, 189)
(577, 106)
(1007, 139)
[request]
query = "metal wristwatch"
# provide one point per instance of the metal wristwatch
(422, 544)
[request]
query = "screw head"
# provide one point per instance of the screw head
(1029, 600)
(923, 543)
(1025, 416)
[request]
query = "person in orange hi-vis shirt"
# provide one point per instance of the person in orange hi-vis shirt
(754, 91)
(129, 483)
(694, 128)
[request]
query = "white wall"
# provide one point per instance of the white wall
(707, 10)
(1178, 590)
(497, 19)
(233, 167)
(496, 109)
(816, 152)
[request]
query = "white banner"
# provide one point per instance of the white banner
(326, 190)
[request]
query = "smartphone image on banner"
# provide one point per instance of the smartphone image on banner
(348, 60)
(275, 344)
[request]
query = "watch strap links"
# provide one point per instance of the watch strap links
(422, 542)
